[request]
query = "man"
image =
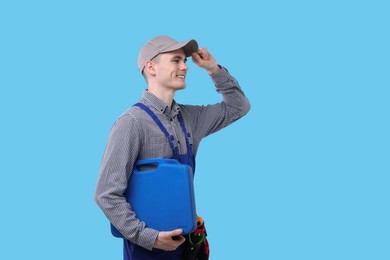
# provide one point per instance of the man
(158, 127)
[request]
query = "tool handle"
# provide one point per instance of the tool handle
(153, 163)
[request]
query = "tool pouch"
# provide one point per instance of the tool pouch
(196, 246)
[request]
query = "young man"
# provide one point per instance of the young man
(158, 127)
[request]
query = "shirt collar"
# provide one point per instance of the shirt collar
(158, 105)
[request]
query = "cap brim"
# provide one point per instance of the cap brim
(188, 47)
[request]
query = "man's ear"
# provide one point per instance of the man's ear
(150, 68)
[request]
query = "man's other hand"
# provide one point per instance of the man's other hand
(169, 240)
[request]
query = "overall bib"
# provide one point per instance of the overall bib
(132, 251)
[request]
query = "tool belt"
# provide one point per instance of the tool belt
(196, 246)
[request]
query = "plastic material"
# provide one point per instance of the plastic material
(161, 193)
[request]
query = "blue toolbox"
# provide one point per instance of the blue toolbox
(161, 193)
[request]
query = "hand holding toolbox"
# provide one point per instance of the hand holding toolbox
(161, 193)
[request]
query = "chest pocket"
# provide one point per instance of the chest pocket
(157, 139)
(156, 147)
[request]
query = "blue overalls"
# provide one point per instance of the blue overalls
(132, 251)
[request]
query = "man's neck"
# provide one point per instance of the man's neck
(165, 95)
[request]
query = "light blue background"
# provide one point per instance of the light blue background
(305, 175)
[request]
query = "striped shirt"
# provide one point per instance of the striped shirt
(135, 136)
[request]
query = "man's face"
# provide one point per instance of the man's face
(171, 70)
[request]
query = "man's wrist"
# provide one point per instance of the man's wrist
(214, 70)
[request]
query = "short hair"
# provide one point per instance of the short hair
(155, 60)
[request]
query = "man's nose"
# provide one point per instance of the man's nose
(183, 66)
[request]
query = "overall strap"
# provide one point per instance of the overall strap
(170, 138)
(186, 134)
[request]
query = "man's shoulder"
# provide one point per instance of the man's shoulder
(128, 121)
(128, 111)
(132, 112)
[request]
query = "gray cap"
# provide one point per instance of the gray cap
(162, 44)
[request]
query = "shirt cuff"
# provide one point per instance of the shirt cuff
(221, 77)
(148, 237)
